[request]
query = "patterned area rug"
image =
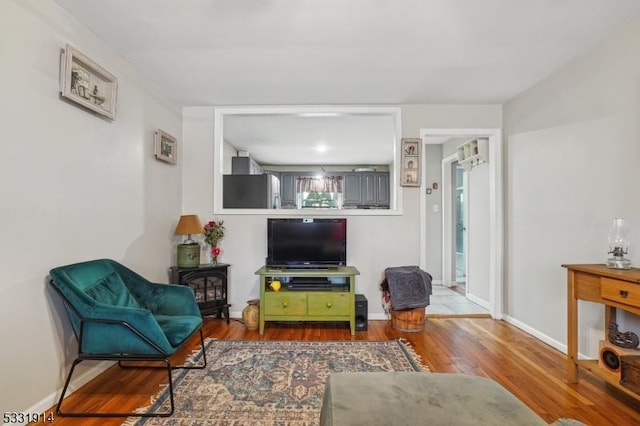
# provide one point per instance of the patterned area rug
(271, 383)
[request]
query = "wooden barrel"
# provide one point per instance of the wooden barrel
(409, 320)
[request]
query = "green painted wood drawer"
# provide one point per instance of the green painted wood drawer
(329, 304)
(285, 303)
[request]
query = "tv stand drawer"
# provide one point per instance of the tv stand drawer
(285, 303)
(331, 304)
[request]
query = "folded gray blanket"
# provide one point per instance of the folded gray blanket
(409, 287)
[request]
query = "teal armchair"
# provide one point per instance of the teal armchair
(118, 315)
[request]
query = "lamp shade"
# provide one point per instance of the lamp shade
(189, 224)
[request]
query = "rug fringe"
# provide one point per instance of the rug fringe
(131, 421)
(413, 354)
(191, 358)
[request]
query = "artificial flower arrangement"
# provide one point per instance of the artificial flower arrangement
(213, 233)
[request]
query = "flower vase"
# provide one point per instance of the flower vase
(215, 252)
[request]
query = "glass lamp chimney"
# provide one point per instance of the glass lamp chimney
(618, 245)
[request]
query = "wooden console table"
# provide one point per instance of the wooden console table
(615, 289)
(333, 304)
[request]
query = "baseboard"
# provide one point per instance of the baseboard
(379, 316)
(535, 333)
(80, 380)
(479, 301)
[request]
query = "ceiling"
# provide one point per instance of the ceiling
(284, 52)
(349, 52)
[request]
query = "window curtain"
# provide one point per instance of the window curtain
(324, 184)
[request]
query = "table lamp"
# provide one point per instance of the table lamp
(618, 245)
(189, 250)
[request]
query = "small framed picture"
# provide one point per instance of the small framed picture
(411, 162)
(165, 147)
(87, 83)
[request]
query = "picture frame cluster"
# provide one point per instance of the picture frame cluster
(411, 162)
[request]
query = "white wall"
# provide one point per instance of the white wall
(433, 211)
(74, 186)
(374, 242)
(573, 153)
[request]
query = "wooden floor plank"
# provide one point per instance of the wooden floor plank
(532, 370)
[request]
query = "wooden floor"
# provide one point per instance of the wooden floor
(530, 369)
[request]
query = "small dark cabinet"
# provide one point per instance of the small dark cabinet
(209, 282)
(288, 190)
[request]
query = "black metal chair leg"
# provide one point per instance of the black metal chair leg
(117, 414)
(66, 385)
(204, 357)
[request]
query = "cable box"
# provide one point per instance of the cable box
(309, 286)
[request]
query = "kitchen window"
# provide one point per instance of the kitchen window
(320, 192)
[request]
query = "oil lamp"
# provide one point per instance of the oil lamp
(618, 246)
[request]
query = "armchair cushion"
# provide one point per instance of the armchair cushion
(178, 328)
(111, 290)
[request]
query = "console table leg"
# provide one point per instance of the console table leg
(572, 329)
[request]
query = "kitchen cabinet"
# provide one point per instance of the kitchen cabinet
(245, 166)
(288, 190)
(366, 189)
(375, 189)
(351, 190)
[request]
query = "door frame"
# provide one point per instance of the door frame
(496, 224)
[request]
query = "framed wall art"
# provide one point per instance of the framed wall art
(87, 83)
(411, 163)
(165, 147)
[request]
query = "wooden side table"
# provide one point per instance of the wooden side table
(613, 288)
(209, 282)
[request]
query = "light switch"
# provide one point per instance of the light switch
(436, 208)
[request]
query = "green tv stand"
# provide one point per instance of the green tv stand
(336, 302)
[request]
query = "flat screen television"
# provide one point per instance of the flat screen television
(306, 243)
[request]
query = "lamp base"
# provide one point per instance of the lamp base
(189, 255)
(618, 263)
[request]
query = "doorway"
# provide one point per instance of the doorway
(492, 241)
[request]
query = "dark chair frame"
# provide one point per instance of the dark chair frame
(160, 357)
